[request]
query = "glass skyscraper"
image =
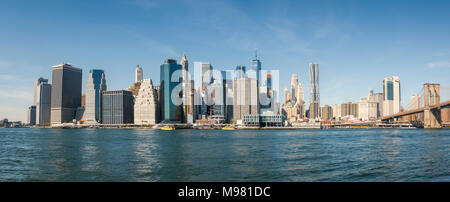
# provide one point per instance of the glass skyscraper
(170, 111)
(256, 67)
(314, 96)
(96, 84)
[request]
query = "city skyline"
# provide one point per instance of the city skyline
(407, 52)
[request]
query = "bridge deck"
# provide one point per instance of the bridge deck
(415, 111)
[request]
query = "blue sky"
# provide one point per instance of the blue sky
(356, 43)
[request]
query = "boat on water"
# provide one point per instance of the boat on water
(228, 128)
(168, 128)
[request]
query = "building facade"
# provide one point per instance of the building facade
(117, 107)
(96, 84)
(31, 115)
(171, 106)
(349, 109)
(368, 107)
(66, 93)
(314, 102)
(138, 74)
(42, 101)
(245, 98)
(391, 95)
(146, 104)
(327, 112)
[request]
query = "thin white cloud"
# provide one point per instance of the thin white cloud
(439, 64)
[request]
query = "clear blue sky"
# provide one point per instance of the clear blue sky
(356, 43)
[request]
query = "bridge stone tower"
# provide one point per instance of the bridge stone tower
(432, 116)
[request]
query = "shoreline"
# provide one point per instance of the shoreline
(220, 128)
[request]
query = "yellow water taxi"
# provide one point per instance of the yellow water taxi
(168, 128)
(228, 128)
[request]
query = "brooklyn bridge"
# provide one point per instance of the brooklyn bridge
(433, 114)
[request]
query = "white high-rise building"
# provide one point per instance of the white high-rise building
(391, 95)
(299, 94)
(96, 84)
(294, 85)
(138, 74)
(146, 104)
(368, 108)
(245, 98)
(336, 112)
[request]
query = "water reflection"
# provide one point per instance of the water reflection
(201, 155)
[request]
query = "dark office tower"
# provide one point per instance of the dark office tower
(256, 66)
(170, 111)
(66, 93)
(42, 100)
(117, 107)
(31, 115)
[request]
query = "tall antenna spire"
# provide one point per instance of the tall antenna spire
(256, 54)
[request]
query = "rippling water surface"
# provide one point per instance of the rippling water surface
(214, 155)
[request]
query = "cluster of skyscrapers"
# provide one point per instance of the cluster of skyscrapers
(233, 96)
(368, 108)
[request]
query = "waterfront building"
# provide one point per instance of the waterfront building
(96, 84)
(263, 120)
(336, 112)
(80, 114)
(188, 111)
(368, 108)
(138, 74)
(31, 115)
(327, 112)
(378, 97)
(146, 104)
(42, 101)
(293, 112)
(391, 95)
(349, 109)
(216, 96)
(171, 107)
(314, 103)
(227, 77)
(66, 93)
(245, 98)
(117, 107)
(293, 108)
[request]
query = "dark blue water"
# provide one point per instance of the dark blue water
(214, 155)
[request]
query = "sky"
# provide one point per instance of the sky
(356, 43)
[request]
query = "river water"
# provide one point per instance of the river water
(215, 155)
